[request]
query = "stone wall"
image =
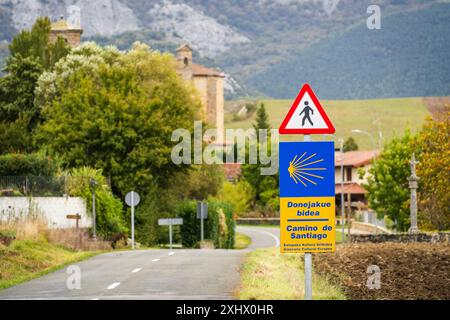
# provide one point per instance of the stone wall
(367, 227)
(402, 237)
(73, 37)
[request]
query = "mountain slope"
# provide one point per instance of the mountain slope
(257, 42)
(409, 56)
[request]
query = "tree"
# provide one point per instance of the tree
(116, 111)
(388, 186)
(265, 187)
(15, 137)
(387, 183)
(31, 54)
(35, 44)
(31, 164)
(108, 208)
(350, 145)
(433, 170)
(17, 90)
(262, 119)
(198, 183)
(240, 195)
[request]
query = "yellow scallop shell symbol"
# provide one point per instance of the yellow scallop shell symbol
(300, 169)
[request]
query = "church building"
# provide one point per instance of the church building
(208, 82)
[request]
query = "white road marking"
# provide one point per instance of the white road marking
(155, 260)
(277, 241)
(115, 284)
(95, 299)
(171, 253)
(136, 270)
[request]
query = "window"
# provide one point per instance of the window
(348, 172)
(186, 61)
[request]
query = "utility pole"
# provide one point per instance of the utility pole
(341, 142)
(413, 179)
(341, 151)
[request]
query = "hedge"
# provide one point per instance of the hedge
(32, 164)
(221, 234)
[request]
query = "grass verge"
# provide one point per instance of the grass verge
(242, 241)
(24, 260)
(269, 275)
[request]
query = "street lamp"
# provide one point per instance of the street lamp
(371, 139)
(367, 134)
(93, 184)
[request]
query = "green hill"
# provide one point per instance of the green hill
(283, 43)
(408, 56)
(390, 116)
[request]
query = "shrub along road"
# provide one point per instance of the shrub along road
(151, 274)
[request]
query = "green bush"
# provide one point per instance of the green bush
(32, 164)
(220, 233)
(152, 208)
(108, 208)
(239, 195)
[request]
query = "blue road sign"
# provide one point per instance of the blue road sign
(307, 169)
(307, 203)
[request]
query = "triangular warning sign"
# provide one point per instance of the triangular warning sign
(306, 116)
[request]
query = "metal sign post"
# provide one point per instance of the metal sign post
(308, 276)
(170, 222)
(93, 184)
(308, 256)
(202, 214)
(132, 199)
(170, 236)
(342, 190)
(307, 186)
(94, 222)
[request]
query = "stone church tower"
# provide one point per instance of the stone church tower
(209, 84)
(71, 33)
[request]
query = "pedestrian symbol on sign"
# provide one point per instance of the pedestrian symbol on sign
(306, 110)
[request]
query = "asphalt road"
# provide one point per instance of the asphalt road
(151, 274)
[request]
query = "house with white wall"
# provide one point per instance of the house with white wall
(354, 192)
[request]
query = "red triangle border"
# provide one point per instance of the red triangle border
(329, 130)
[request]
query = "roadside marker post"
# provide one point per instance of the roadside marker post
(132, 199)
(170, 222)
(202, 214)
(307, 183)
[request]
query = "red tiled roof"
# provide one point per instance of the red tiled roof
(232, 170)
(199, 70)
(352, 188)
(355, 158)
